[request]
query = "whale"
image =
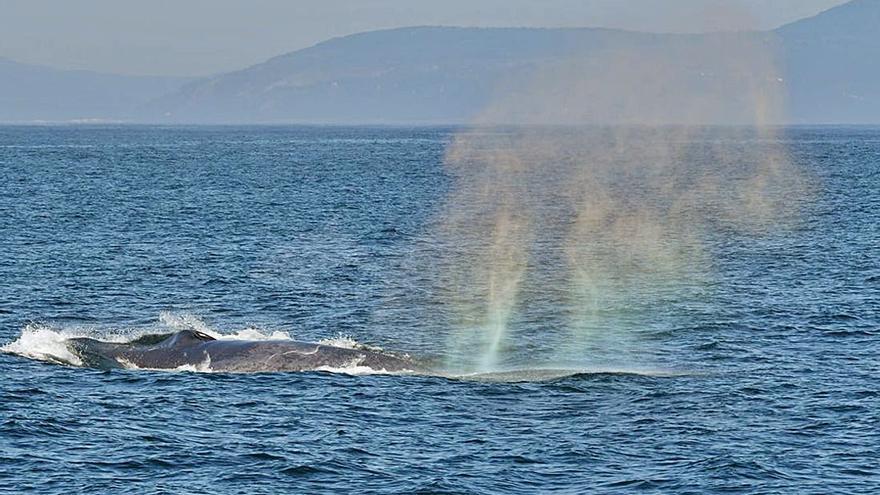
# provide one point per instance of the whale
(191, 349)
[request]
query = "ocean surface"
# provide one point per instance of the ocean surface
(758, 374)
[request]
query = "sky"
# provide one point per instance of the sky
(201, 37)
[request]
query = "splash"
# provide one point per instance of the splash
(599, 201)
(202, 367)
(343, 341)
(187, 321)
(355, 368)
(44, 343)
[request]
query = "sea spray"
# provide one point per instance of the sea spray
(176, 321)
(42, 342)
(619, 163)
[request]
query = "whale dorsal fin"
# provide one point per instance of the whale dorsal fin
(187, 337)
(202, 336)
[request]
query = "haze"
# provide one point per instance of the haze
(200, 37)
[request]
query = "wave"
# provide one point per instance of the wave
(44, 343)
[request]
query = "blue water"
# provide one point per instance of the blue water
(760, 378)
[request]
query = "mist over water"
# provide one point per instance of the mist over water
(619, 163)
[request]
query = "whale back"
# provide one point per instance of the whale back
(193, 348)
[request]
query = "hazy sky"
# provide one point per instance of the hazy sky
(198, 37)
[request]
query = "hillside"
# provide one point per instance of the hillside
(34, 93)
(405, 75)
(827, 63)
(436, 74)
(831, 64)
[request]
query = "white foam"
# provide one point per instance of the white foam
(38, 341)
(254, 334)
(348, 342)
(342, 341)
(203, 367)
(187, 321)
(354, 367)
(357, 370)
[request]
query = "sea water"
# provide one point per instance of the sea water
(761, 377)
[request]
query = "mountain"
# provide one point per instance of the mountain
(411, 75)
(832, 64)
(437, 74)
(34, 93)
(420, 74)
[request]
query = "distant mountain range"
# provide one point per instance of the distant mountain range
(832, 65)
(30, 93)
(438, 75)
